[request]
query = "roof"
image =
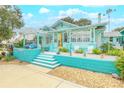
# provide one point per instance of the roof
(71, 26)
(122, 31)
(112, 34)
(63, 22)
(27, 30)
(46, 28)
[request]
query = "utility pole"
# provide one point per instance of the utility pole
(108, 13)
(99, 17)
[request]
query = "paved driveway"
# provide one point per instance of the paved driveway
(30, 76)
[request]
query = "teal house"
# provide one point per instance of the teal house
(71, 36)
(67, 35)
(116, 38)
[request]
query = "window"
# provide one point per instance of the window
(83, 36)
(65, 37)
(111, 39)
(55, 37)
(117, 39)
(48, 38)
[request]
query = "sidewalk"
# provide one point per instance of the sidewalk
(30, 76)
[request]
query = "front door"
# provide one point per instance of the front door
(60, 40)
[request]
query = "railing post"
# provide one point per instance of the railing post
(52, 45)
(70, 45)
(23, 40)
(38, 45)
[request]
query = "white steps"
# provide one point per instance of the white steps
(46, 60)
(46, 65)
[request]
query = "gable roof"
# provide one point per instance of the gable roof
(70, 26)
(61, 21)
(46, 28)
(63, 24)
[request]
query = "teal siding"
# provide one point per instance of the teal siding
(26, 54)
(102, 66)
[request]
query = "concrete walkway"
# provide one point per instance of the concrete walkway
(30, 76)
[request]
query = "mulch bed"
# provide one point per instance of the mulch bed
(16, 62)
(87, 78)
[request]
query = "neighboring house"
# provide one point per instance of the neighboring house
(72, 37)
(115, 37)
(19, 34)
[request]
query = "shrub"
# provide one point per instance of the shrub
(121, 52)
(120, 66)
(9, 58)
(63, 49)
(0, 57)
(19, 44)
(106, 46)
(79, 51)
(1, 49)
(97, 51)
(114, 52)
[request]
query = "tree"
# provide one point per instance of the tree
(10, 19)
(68, 19)
(83, 22)
(80, 22)
(119, 28)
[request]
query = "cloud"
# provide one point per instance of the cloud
(94, 6)
(44, 10)
(114, 20)
(117, 20)
(71, 12)
(76, 11)
(27, 16)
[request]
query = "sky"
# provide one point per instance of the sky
(38, 16)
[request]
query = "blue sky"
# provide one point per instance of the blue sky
(40, 15)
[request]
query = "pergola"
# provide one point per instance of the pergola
(29, 33)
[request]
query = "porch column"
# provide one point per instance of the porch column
(94, 35)
(63, 38)
(70, 45)
(91, 35)
(23, 40)
(38, 45)
(52, 40)
(57, 50)
(43, 42)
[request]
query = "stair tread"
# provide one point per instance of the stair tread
(46, 58)
(46, 64)
(51, 63)
(47, 55)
